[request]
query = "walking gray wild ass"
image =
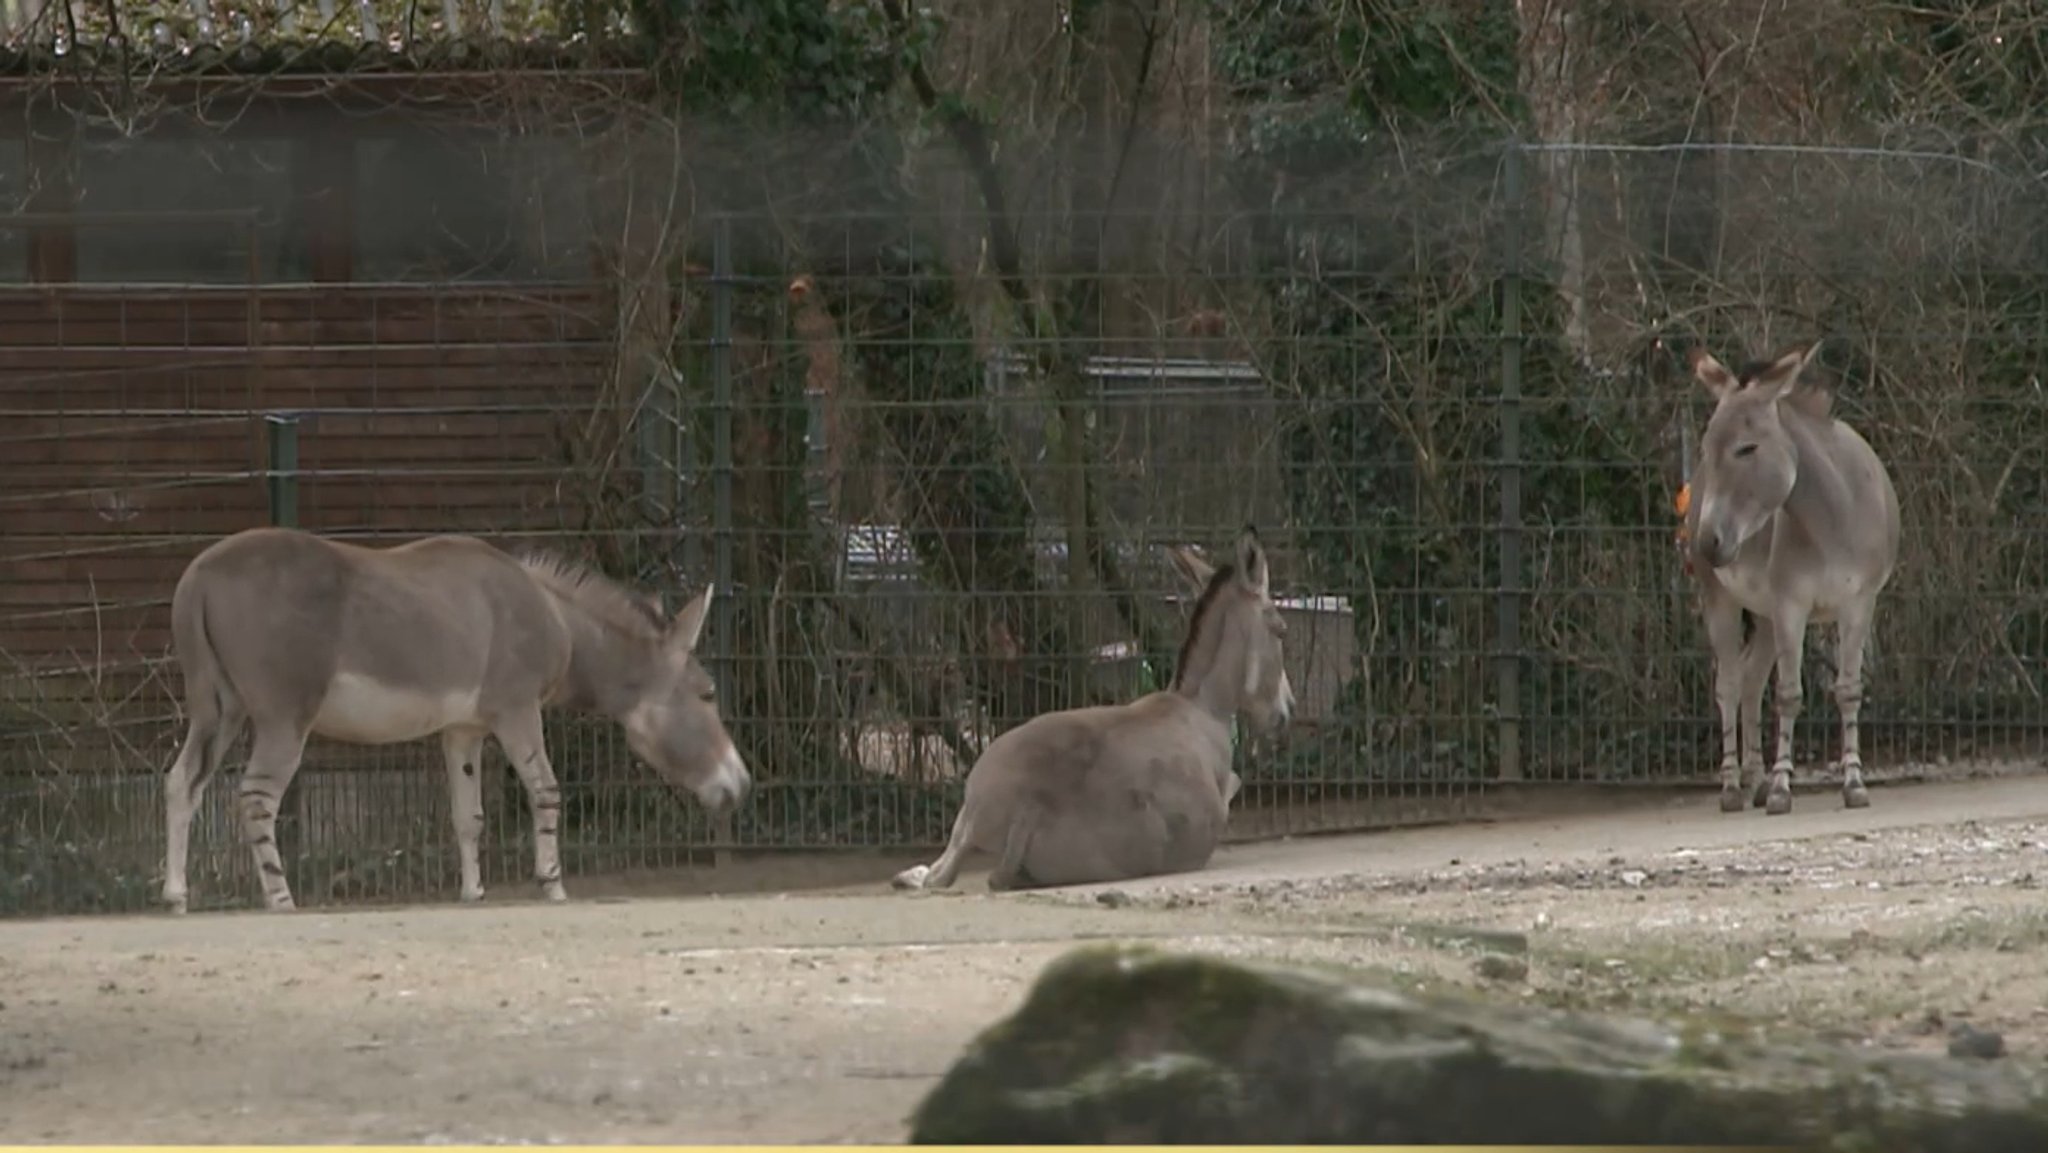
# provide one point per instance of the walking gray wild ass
(297, 635)
(1793, 519)
(1112, 792)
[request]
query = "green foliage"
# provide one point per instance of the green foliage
(1997, 68)
(1387, 335)
(776, 59)
(1391, 63)
(41, 875)
(967, 514)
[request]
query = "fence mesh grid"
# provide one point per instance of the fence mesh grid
(938, 501)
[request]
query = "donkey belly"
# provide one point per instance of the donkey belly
(366, 711)
(1751, 587)
(1143, 836)
(1756, 591)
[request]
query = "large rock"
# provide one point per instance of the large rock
(1131, 1046)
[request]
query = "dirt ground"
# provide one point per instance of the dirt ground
(633, 1014)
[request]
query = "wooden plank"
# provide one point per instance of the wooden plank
(240, 332)
(121, 566)
(81, 634)
(481, 391)
(107, 302)
(138, 453)
(100, 514)
(88, 591)
(413, 357)
(61, 319)
(442, 497)
(147, 522)
(418, 461)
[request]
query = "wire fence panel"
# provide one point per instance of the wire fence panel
(140, 426)
(938, 490)
(1921, 273)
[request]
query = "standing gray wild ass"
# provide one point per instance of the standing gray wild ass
(298, 635)
(1111, 792)
(1793, 519)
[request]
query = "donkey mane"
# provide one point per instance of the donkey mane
(593, 592)
(1809, 396)
(1222, 576)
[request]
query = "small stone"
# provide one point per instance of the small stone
(1634, 878)
(1968, 1041)
(1113, 898)
(1501, 967)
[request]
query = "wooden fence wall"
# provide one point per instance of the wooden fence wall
(133, 433)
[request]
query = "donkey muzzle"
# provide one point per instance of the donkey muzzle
(730, 784)
(1711, 550)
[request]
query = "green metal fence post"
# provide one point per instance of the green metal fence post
(282, 479)
(281, 482)
(722, 606)
(1508, 607)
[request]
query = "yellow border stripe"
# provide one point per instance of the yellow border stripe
(877, 1148)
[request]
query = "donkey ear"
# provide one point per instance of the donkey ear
(1712, 374)
(689, 623)
(1251, 561)
(1191, 565)
(1784, 371)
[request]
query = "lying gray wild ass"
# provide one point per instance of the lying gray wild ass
(1793, 519)
(1112, 792)
(298, 635)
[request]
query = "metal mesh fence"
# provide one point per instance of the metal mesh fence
(940, 498)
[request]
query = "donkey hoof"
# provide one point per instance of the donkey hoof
(1731, 800)
(1855, 797)
(910, 878)
(1779, 804)
(552, 891)
(471, 896)
(175, 905)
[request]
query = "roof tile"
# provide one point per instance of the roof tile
(189, 27)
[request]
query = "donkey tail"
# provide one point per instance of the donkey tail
(1749, 622)
(1010, 872)
(940, 873)
(212, 707)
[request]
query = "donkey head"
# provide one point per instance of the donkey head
(1748, 463)
(1240, 610)
(674, 725)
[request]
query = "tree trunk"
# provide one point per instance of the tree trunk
(1551, 83)
(962, 504)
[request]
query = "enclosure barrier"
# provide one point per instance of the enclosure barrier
(932, 513)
